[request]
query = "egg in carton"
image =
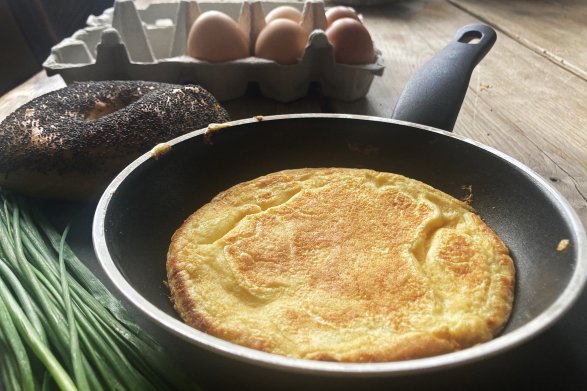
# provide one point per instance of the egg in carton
(150, 44)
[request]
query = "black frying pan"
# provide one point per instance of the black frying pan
(149, 200)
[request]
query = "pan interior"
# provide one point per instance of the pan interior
(155, 197)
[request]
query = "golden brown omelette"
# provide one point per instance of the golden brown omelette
(341, 264)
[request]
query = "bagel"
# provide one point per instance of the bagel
(70, 143)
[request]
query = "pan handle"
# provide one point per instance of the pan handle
(435, 93)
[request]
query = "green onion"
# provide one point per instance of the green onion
(60, 327)
(15, 352)
(78, 369)
(9, 305)
(8, 368)
(29, 307)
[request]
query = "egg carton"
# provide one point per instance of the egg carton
(363, 2)
(126, 43)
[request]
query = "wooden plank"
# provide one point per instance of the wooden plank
(518, 102)
(556, 29)
(37, 85)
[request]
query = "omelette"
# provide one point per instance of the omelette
(341, 264)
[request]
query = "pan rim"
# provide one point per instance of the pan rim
(498, 345)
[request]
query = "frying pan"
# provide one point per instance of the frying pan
(143, 206)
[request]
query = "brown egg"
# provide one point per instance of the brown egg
(282, 41)
(216, 37)
(351, 42)
(284, 12)
(339, 12)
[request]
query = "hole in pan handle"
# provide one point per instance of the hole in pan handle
(435, 93)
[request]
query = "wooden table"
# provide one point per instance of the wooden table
(527, 98)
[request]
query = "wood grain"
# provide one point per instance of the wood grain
(556, 29)
(37, 85)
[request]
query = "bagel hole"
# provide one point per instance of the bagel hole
(100, 110)
(103, 108)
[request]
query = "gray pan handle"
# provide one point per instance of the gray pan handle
(435, 93)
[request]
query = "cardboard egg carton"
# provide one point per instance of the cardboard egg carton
(125, 43)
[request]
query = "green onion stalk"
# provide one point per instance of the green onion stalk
(60, 327)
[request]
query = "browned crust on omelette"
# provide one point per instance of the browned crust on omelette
(341, 264)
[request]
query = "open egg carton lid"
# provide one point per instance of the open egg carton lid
(126, 43)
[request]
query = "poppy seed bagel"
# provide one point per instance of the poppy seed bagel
(70, 143)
